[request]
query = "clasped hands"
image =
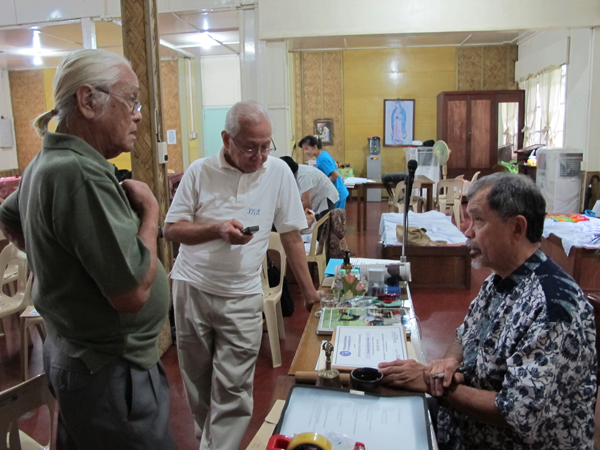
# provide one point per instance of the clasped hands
(413, 376)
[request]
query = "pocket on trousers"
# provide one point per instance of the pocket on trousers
(141, 398)
(70, 379)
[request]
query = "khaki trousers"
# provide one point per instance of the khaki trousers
(218, 339)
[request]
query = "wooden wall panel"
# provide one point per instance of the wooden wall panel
(28, 101)
(171, 111)
(319, 95)
(490, 67)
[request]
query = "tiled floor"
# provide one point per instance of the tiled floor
(440, 312)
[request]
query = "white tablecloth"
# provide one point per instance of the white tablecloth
(574, 234)
(439, 227)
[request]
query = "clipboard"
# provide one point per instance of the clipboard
(379, 344)
(375, 420)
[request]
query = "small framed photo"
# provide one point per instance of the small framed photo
(323, 129)
(398, 122)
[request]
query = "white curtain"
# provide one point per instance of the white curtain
(530, 87)
(550, 104)
(509, 123)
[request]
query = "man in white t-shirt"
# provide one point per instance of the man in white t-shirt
(217, 289)
(316, 189)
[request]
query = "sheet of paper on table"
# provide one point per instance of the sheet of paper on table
(367, 346)
(378, 422)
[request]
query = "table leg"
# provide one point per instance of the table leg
(363, 202)
(429, 198)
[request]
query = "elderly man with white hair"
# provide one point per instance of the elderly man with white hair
(91, 244)
(216, 279)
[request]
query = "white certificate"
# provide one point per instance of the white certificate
(368, 346)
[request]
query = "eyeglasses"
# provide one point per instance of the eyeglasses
(135, 108)
(254, 151)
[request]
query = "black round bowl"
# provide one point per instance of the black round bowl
(365, 379)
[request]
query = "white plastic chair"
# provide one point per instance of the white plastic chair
(13, 304)
(449, 194)
(19, 400)
(272, 300)
(417, 202)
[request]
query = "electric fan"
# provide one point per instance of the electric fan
(441, 153)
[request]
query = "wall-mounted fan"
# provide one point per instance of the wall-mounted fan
(441, 153)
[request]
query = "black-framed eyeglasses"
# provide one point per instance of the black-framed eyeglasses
(255, 150)
(135, 108)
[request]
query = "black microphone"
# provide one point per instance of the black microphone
(412, 167)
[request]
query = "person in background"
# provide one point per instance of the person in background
(313, 149)
(521, 373)
(317, 192)
(91, 245)
(217, 290)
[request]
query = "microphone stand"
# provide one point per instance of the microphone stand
(407, 196)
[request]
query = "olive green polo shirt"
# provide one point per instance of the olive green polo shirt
(82, 246)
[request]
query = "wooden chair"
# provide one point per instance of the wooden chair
(19, 400)
(449, 195)
(13, 304)
(272, 300)
(319, 258)
(417, 202)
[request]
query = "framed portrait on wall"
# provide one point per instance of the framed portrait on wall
(398, 122)
(323, 129)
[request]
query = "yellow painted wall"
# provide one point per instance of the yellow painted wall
(370, 76)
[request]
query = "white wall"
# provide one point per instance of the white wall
(220, 80)
(580, 49)
(281, 19)
(550, 48)
(594, 118)
(8, 156)
(278, 95)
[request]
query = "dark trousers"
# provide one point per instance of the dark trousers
(120, 407)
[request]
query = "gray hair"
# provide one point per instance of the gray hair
(513, 195)
(250, 111)
(97, 68)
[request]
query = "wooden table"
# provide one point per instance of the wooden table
(307, 354)
(581, 263)
(361, 206)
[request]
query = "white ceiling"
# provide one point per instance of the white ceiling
(180, 34)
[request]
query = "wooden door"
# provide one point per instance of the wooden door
(483, 132)
(456, 132)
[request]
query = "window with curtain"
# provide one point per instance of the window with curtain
(545, 100)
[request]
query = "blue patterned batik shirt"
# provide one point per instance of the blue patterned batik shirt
(531, 338)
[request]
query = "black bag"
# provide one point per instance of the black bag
(287, 303)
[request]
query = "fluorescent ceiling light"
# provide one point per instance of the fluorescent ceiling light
(36, 50)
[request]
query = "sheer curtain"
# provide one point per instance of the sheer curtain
(530, 87)
(550, 104)
(508, 123)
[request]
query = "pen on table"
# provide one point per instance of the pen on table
(438, 376)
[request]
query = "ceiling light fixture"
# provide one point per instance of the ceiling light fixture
(206, 41)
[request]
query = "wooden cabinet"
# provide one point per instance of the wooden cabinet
(468, 122)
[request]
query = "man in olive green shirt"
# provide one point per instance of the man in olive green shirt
(91, 245)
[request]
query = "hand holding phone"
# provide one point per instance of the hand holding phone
(249, 231)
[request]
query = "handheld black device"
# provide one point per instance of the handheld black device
(250, 230)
